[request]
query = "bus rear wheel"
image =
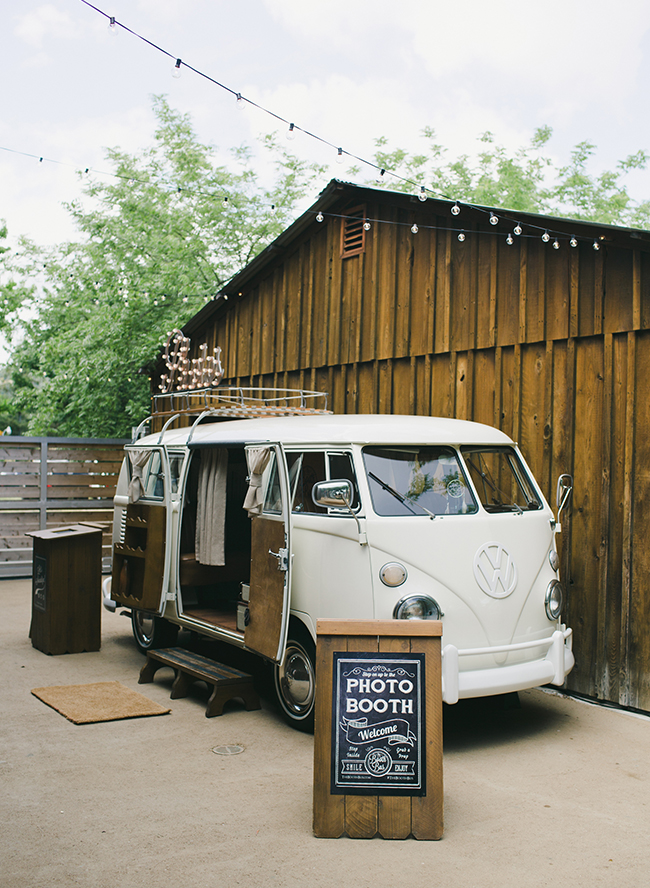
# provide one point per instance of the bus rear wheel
(151, 632)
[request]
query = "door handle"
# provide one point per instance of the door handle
(283, 558)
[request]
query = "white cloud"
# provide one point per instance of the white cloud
(45, 21)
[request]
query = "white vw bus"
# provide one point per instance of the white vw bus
(248, 531)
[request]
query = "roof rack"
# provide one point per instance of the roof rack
(234, 402)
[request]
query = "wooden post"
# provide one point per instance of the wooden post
(413, 806)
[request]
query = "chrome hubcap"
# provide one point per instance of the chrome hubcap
(297, 680)
(144, 627)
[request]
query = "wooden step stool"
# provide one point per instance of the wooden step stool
(226, 682)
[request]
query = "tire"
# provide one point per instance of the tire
(152, 632)
(295, 681)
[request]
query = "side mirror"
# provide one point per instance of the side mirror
(562, 496)
(338, 495)
(333, 494)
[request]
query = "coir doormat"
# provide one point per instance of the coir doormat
(102, 701)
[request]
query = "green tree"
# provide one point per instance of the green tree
(157, 241)
(526, 179)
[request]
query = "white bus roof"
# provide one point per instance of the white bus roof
(333, 429)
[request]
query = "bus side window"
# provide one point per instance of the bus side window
(311, 472)
(340, 466)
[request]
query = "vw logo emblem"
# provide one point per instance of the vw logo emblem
(494, 570)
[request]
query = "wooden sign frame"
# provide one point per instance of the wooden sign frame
(391, 816)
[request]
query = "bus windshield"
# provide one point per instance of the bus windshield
(417, 480)
(500, 479)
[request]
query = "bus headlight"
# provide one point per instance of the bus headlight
(554, 599)
(417, 607)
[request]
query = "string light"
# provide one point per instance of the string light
(461, 237)
(510, 240)
(291, 132)
(111, 25)
(240, 103)
(414, 228)
(556, 244)
(176, 70)
(366, 226)
(455, 209)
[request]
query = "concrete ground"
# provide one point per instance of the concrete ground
(556, 791)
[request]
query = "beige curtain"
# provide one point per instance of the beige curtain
(139, 459)
(211, 507)
(258, 460)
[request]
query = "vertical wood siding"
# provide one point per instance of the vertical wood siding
(551, 346)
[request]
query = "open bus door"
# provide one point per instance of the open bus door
(269, 505)
(141, 557)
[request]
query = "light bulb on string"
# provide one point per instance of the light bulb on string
(291, 132)
(455, 210)
(112, 29)
(517, 229)
(225, 202)
(596, 245)
(176, 70)
(423, 194)
(319, 217)
(241, 101)
(380, 177)
(339, 156)
(556, 244)
(414, 228)
(461, 236)
(366, 226)
(546, 237)
(510, 240)
(574, 241)
(494, 220)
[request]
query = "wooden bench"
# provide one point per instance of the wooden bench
(226, 682)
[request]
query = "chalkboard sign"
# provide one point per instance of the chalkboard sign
(39, 583)
(378, 724)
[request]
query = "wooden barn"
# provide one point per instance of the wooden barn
(537, 325)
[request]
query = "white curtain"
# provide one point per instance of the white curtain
(211, 506)
(258, 460)
(139, 459)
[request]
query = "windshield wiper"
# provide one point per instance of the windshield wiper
(403, 499)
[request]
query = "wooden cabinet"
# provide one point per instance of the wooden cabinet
(138, 562)
(66, 589)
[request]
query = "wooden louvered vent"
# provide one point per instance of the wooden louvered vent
(353, 234)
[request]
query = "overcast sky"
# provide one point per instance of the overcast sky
(348, 70)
